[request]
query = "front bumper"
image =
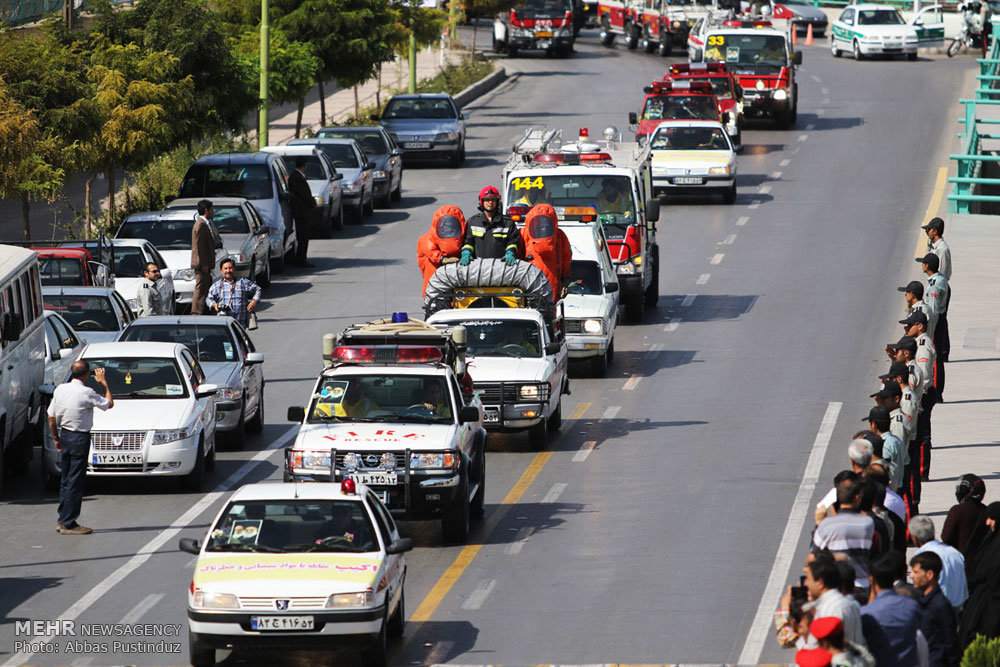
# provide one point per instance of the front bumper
(533, 43)
(227, 415)
(183, 291)
(382, 187)
(166, 460)
(429, 149)
(758, 103)
(819, 25)
(229, 629)
(582, 346)
(666, 183)
(891, 49)
(353, 200)
(513, 417)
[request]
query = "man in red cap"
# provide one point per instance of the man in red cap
(490, 233)
(828, 631)
(443, 241)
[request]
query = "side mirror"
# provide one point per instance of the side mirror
(100, 273)
(205, 390)
(370, 165)
(56, 355)
(189, 545)
(610, 288)
(553, 348)
(633, 118)
(336, 177)
(468, 413)
(461, 115)
(255, 358)
(797, 58)
(396, 152)
(374, 116)
(296, 413)
(652, 210)
(400, 546)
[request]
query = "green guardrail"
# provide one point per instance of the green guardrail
(969, 181)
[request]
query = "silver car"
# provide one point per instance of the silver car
(350, 160)
(97, 314)
(428, 125)
(62, 347)
(381, 149)
(228, 357)
(244, 234)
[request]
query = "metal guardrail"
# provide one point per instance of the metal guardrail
(969, 182)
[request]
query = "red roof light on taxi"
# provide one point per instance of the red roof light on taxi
(348, 486)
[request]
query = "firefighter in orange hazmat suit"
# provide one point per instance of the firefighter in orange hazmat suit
(547, 246)
(443, 241)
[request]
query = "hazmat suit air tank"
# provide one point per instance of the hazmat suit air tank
(443, 241)
(548, 246)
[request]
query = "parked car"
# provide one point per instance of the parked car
(170, 234)
(130, 259)
(427, 125)
(805, 15)
(381, 149)
(259, 177)
(244, 235)
(62, 347)
(96, 314)
(71, 266)
(350, 160)
(223, 348)
(324, 182)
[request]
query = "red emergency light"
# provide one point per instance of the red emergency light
(695, 68)
(581, 213)
(517, 212)
(348, 487)
(757, 23)
(571, 158)
(404, 354)
(584, 134)
(416, 354)
(678, 86)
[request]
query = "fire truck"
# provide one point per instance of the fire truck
(663, 26)
(675, 100)
(607, 183)
(536, 25)
(726, 88)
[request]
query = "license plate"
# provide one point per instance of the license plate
(119, 458)
(375, 478)
(491, 415)
(282, 623)
(543, 34)
(417, 144)
(688, 181)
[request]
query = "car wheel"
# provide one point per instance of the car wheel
(455, 520)
(397, 621)
(369, 209)
(607, 37)
(200, 654)
(611, 351)
(911, 56)
(652, 293)
(355, 216)
(497, 45)
(729, 196)
(857, 51)
(192, 481)
(555, 419)
(634, 307)
(833, 48)
(278, 263)
(50, 480)
(210, 457)
(648, 45)
(478, 508)
(256, 423)
(264, 277)
(337, 222)
(397, 194)
(538, 436)
(236, 438)
(461, 153)
(599, 365)
(632, 37)
(376, 654)
(511, 51)
(666, 46)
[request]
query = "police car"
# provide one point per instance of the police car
(692, 156)
(870, 29)
(298, 565)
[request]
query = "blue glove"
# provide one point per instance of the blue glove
(465, 258)
(510, 258)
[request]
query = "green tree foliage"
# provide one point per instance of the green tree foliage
(293, 64)
(425, 23)
(982, 652)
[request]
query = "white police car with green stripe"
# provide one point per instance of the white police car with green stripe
(870, 29)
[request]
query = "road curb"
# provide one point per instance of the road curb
(481, 87)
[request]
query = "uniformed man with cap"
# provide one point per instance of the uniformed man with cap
(937, 245)
(903, 422)
(937, 296)
(925, 360)
(148, 300)
(893, 452)
(913, 292)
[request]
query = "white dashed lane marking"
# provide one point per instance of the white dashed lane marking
(479, 595)
(785, 162)
(825, 91)
(754, 205)
(764, 189)
(365, 241)
(815, 78)
(554, 492)
(743, 219)
(674, 322)
(811, 126)
(631, 383)
(611, 412)
(729, 240)
(688, 300)
(703, 278)
(776, 176)
(803, 137)
(140, 609)
(717, 259)
(519, 539)
(584, 451)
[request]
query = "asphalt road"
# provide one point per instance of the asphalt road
(655, 547)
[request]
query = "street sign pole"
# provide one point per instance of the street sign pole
(265, 103)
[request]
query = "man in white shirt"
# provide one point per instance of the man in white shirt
(822, 583)
(71, 416)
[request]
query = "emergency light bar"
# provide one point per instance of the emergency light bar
(581, 213)
(572, 158)
(517, 212)
(756, 23)
(387, 354)
(678, 86)
(695, 68)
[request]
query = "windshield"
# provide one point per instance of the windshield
(689, 139)
(279, 526)
(129, 262)
(607, 194)
(879, 17)
(207, 343)
(422, 107)
(136, 377)
(225, 219)
(585, 278)
(60, 270)
(680, 107)
(503, 338)
(341, 155)
(84, 313)
(383, 398)
(371, 141)
(747, 49)
(252, 181)
(547, 8)
(314, 170)
(722, 88)
(163, 234)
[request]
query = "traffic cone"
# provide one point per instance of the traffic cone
(795, 40)
(809, 35)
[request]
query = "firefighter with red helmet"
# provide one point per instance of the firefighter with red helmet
(547, 246)
(443, 243)
(490, 233)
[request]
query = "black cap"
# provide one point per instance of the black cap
(888, 390)
(935, 223)
(897, 369)
(904, 343)
(931, 260)
(916, 287)
(878, 414)
(916, 317)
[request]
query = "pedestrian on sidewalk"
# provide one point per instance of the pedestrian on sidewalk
(952, 580)
(965, 526)
(937, 245)
(890, 621)
(202, 255)
(823, 585)
(937, 297)
(913, 294)
(938, 620)
(71, 417)
(849, 532)
(982, 613)
(302, 208)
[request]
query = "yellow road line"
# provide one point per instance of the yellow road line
(468, 553)
(932, 208)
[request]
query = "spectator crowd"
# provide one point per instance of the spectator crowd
(860, 602)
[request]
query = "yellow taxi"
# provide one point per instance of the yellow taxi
(693, 156)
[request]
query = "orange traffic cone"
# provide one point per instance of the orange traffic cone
(809, 35)
(795, 40)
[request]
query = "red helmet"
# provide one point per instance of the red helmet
(488, 191)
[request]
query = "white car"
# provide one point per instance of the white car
(324, 183)
(591, 304)
(163, 420)
(97, 314)
(869, 29)
(229, 359)
(518, 367)
(62, 347)
(131, 257)
(298, 566)
(693, 156)
(170, 233)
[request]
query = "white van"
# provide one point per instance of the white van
(22, 357)
(591, 304)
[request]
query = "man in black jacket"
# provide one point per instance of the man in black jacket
(302, 207)
(490, 233)
(938, 621)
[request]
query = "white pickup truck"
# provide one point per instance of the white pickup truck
(591, 302)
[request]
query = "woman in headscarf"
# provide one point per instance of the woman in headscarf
(964, 525)
(444, 240)
(548, 246)
(982, 610)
